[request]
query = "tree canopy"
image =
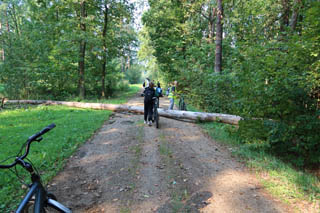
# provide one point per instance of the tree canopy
(60, 48)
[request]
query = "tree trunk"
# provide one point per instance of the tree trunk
(123, 62)
(1, 50)
(104, 62)
(128, 63)
(14, 19)
(295, 14)
(175, 114)
(211, 26)
(7, 21)
(212, 15)
(218, 58)
(82, 52)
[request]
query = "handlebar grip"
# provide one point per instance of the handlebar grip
(43, 131)
(48, 128)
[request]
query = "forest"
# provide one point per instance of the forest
(258, 59)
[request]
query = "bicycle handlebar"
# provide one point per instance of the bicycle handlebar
(43, 131)
(29, 141)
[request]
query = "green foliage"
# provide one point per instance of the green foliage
(134, 74)
(41, 47)
(209, 92)
(2, 91)
(74, 126)
(271, 67)
(120, 97)
(275, 86)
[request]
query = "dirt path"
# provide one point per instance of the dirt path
(131, 167)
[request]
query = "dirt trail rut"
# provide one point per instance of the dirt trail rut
(130, 167)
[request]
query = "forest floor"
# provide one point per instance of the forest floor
(128, 166)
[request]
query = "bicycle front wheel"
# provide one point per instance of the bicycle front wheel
(184, 106)
(156, 118)
(52, 207)
(29, 208)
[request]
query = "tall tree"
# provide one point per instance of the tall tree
(1, 48)
(82, 49)
(104, 45)
(295, 14)
(219, 37)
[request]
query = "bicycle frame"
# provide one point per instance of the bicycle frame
(155, 115)
(156, 103)
(41, 200)
(39, 192)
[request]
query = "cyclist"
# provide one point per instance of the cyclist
(171, 95)
(149, 93)
(158, 93)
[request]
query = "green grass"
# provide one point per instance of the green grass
(282, 180)
(74, 127)
(125, 210)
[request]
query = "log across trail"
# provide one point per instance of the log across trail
(175, 114)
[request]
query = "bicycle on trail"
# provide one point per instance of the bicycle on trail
(38, 199)
(155, 111)
(182, 104)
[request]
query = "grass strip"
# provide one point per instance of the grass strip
(281, 180)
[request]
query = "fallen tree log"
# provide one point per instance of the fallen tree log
(177, 114)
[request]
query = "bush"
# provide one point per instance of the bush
(278, 101)
(209, 92)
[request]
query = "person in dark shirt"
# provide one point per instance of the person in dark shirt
(158, 92)
(149, 93)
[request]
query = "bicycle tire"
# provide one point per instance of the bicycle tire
(48, 209)
(184, 106)
(156, 118)
(30, 207)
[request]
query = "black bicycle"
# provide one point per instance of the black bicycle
(155, 111)
(37, 200)
(182, 104)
